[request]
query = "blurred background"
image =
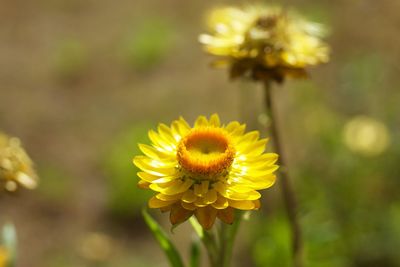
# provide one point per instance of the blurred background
(81, 82)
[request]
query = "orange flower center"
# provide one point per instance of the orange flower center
(206, 151)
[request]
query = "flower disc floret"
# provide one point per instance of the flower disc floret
(207, 170)
(205, 152)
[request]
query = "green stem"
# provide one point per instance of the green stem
(209, 241)
(285, 182)
(228, 236)
(219, 248)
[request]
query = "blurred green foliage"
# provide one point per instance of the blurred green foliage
(55, 185)
(125, 198)
(348, 202)
(272, 243)
(70, 59)
(149, 43)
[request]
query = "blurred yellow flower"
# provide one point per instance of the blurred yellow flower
(16, 168)
(207, 170)
(264, 42)
(3, 257)
(366, 136)
(96, 247)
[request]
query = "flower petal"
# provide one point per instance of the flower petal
(242, 204)
(201, 122)
(155, 203)
(220, 203)
(179, 214)
(210, 197)
(214, 120)
(226, 215)
(189, 196)
(206, 216)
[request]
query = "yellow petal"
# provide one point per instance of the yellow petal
(253, 149)
(189, 206)
(238, 131)
(165, 132)
(242, 204)
(153, 153)
(156, 179)
(143, 184)
(183, 123)
(249, 137)
(161, 143)
(201, 122)
(251, 195)
(214, 120)
(154, 167)
(162, 187)
(220, 203)
(189, 196)
(168, 197)
(210, 197)
(155, 203)
(178, 130)
(232, 126)
(178, 188)
(201, 189)
(200, 202)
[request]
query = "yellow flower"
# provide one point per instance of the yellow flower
(3, 257)
(16, 168)
(265, 43)
(207, 170)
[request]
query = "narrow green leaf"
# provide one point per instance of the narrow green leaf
(195, 253)
(162, 238)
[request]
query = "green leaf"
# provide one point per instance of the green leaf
(195, 253)
(162, 238)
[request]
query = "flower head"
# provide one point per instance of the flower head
(16, 168)
(207, 170)
(265, 43)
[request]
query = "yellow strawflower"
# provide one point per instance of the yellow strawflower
(207, 170)
(3, 257)
(264, 42)
(16, 168)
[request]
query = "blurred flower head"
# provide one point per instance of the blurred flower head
(16, 168)
(264, 42)
(366, 136)
(96, 247)
(207, 170)
(3, 257)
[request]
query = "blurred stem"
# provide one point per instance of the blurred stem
(285, 182)
(227, 235)
(209, 241)
(219, 246)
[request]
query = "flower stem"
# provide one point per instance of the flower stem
(227, 234)
(286, 186)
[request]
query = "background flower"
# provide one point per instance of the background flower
(264, 42)
(16, 168)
